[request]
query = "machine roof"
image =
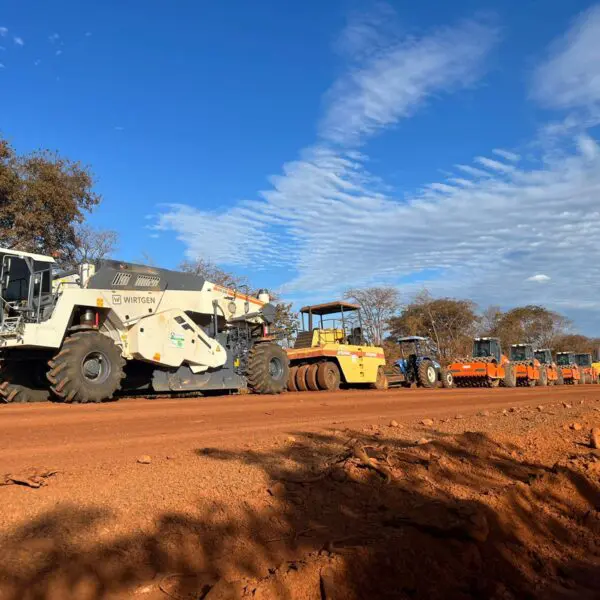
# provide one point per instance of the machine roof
(329, 308)
(36, 257)
(411, 338)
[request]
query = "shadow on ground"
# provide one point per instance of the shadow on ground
(347, 516)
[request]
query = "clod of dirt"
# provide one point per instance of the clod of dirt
(394, 423)
(595, 438)
(144, 459)
(484, 413)
(576, 426)
(512, 409)
(277, 490)
(540, 407)
(505, 412)
(422, 441)
(36, 478)
(458, 417)
(290, 439)
(427, 422)
(565, 405)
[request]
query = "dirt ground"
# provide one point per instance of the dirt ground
(410, 494)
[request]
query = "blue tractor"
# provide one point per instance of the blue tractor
(419, 364)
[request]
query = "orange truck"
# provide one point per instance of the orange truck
(528, 369)
(569, 368)
(589, 373)
(487, 367)
(553, 371)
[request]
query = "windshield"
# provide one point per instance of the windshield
(583, 360)
(484, 348)
(563, 359)
(520, 353)
(542, 356)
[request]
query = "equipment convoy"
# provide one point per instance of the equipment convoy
(331, 352)
(127, 327)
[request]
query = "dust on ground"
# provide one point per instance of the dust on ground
(500, 504)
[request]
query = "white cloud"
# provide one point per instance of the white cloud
(3, 31)
(58, 52)
(570, 77)
(540, 278)
(2, 66)
(18, 41)
(494, 164)
(506, 155)
(53, 38)
(37, 62)
(88, 34)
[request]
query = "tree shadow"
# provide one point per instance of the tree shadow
(346, 516)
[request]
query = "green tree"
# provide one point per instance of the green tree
(43, 197)
(451, 323)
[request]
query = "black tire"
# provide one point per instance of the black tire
(543, 380)
(510, 376)
(381, 382)
(311, 377)
(23, 381)
(447, 379)
(268, 368)
(494, 383)
(301, 382)
(88, 368)
(328, 376)
(291, 385)
(427, 374)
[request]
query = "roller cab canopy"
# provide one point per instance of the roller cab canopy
(329, 308)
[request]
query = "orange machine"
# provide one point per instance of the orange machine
(528, 369)
(569, 368)
(553, 371)
(589, 373)
(487, 367)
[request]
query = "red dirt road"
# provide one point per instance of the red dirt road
(73, 436)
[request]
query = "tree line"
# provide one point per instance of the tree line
(452, 323)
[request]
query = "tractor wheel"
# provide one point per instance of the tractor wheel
(494, 382)
(328, 376)
(447, 379)
(560, 380)
(23, 381)
(311, 377)
(531, 382)
(381, 383)
(291, 384)
(510, 376)
(427, 374)
(88, 368)
(301, 383)
(543, 380)
(268, 368)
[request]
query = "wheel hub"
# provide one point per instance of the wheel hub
(95, 367)
(275, 368)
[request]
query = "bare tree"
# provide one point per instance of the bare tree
(213, 273)
(90, 245)
(378, 306)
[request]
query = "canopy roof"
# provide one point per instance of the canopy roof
(412, 338)
(330, 308)
(36, 257)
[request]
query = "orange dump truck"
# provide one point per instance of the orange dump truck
(589, 373)
(553, 371)
(487, 367)
(569, 368)
(528, 369)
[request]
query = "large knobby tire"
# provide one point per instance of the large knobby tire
(88, 368)
(510, 376)
(543, 379)
(311, 377)
(301, 382)
(23, 381)
(268, 368)
(381, 381)
(427, 374)
(328, 376)
(447, 379)
(291, 385)
(560, 380)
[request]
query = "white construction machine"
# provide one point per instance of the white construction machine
(117, 326)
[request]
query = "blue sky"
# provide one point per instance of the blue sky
(319, 145)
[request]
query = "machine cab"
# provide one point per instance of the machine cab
(521, 352)
(583, 360)
(544, 356)
(487, 348)
(564, 359)
(25, 289)
(342, 325)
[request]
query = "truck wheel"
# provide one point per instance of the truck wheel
(328, 376)
(291, 385)
(510, 376)
(301, 383)
(381, 383)
(543, 380)
(88, 368)
(268, 368)
(560, 380)
(20, 381)
(427, 374)
(447, 379)
(311, 377)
